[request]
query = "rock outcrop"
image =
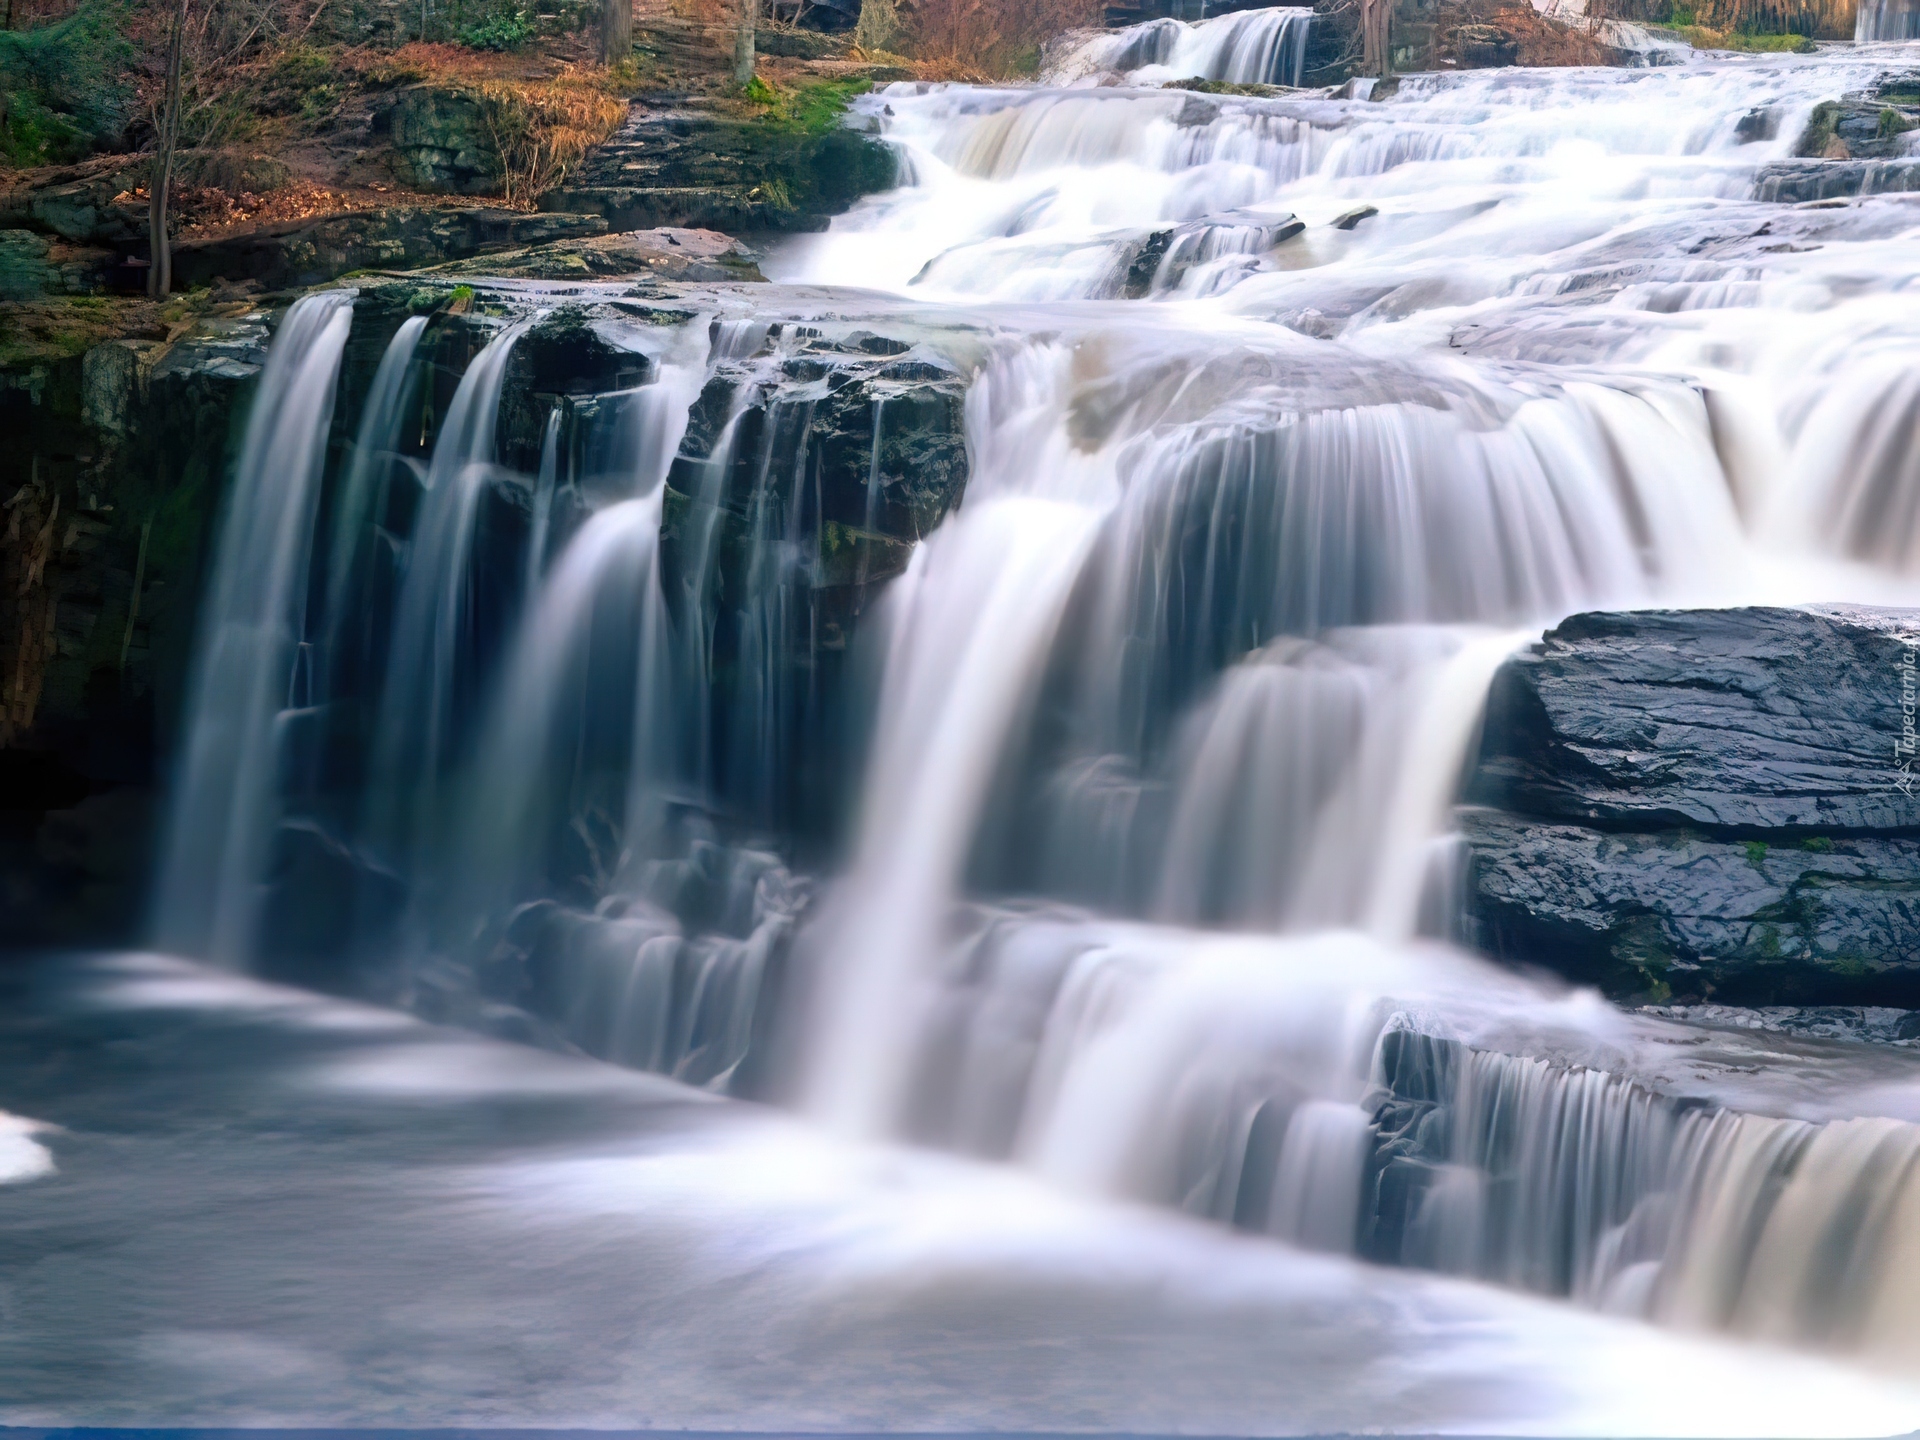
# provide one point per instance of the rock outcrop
(682, 161)
(1715, 803)
(109, 488)
(399, 237)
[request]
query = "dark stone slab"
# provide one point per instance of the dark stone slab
(1739, 721)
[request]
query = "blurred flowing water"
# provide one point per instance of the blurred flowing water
(1109, 840)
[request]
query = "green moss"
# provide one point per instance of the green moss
(1756, 854)
(1892, 123)
(1702, 38)
(1819, 844)
(302, 65)
(634, 73)
(810, 109)
(67, 86)
(1641, 949)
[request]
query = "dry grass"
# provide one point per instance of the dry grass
(541, 130)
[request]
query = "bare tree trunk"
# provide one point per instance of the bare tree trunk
(616, 30)
(1376, 51)
(160, 182)
(743, 43)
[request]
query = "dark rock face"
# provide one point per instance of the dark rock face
(805, 478)
(441, 143)
(1706, 803)
(1745, 921)
(112, 482)
(1752, 720)
(683, 164)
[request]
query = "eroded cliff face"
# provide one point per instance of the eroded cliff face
(111, 473)
(1706, 804)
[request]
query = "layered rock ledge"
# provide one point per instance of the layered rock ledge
(1705, 804)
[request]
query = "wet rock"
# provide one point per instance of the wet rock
(112, 480)
(1668, 913)
(1804, 181)
(1748, 721)
(1144, 264)
(1856, 128)
(692, 164)
(1868, 1024)
(806, 476)
(321, 899)
(1702, 804)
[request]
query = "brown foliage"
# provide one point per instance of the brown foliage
(999, 37)
(541, 130)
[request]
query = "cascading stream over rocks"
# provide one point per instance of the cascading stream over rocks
(1010, 685)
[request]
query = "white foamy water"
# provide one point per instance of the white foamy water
(22, 1157)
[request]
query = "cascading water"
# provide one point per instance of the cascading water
(1285, 420)
(1886, 20)
(250, 672)
(1255, 47)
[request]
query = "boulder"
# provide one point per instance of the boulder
(1714, 803)
(1805, 181)
(441, 141)
(1817, 921)
(1757, 722)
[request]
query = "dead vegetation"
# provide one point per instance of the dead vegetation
(541, 130)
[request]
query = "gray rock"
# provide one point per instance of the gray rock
(1712, 803)
(1673, 914)
(1750, 720)
(687, 163)
(1867, 1024)
(1802, 181)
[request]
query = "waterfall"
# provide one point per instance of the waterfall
(249, 670)
(417, 723)
(1093, 813)
(363, 500)
(1886, 20)
(1254, 47)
